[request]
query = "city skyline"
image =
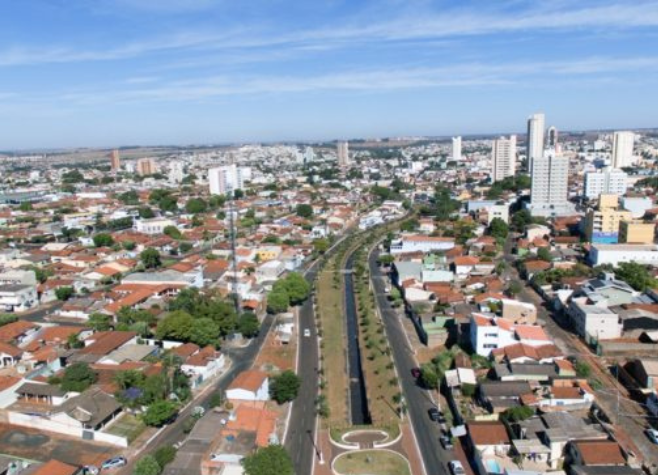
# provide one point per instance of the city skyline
(110, 73)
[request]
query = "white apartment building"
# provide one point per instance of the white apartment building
(535, 138)
(591, 321)
(488, 333)
(550, 180)
(503, 158)
(606, 182)
(176, 172)
(622, 149)
(226, 179)
(457, 149)
(418, 243)
(343, 153)
(153, 225)
(614, 254)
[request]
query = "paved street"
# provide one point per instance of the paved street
(417, 399)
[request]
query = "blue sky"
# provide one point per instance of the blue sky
(117, 72)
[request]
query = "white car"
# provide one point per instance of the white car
(653, 435)
(456, 467)
(307, 332)
(115, 462)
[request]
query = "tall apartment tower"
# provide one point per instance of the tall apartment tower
(176, 171)
(226, 179)
(343, 152)
(551, 137)
(457, 149)
(115, 161)
(622, 149)
(535, 138)
(550, 182)
(146, 166)
(503, 158)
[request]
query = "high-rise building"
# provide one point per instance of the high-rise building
(457, 149)
(550, 185)
(146, 166)
(176, 171)
(309, 155)
(343, 152)
(115, 161)
(622, 149)
(503, 158)
(226, 179)
(603, 223)
(605, 182)
(551, 137)
(535, 138)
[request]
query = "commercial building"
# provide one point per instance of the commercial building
(636, 232)
(424, 244)
(607, 181)
(343, 153)
(594, 322)
(146, 166)
(614, 254)
(503, 158)
(457, 149)
(622, 149)
(115, 161)
(550, 180)
(226, 179)
(535, 138)
(603, 223)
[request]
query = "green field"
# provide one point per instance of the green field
(371, 462)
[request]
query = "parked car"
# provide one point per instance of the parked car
(434, 414)
(90, 470)
(446, 443)
(415, 372)
(653, 435)
(114, 462)
(456, 467)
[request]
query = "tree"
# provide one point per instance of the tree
(514, 288)
(196, 205)
(64, 293)
(296, 286)
(128, 245)
(99, 322)
(159, 413)
(168, 203)
(204, 332)
(278, 301)
(215, 400)
(517, 414)
(172, 231)
(521, 219)
(147, 465)
(25, 206)
(285, 386)
(165, 455)
(176, 325)
(428, 376)
(410, 225)
(146, 212)
(636, 275)
(129, 198)
(238, 194)
(103, 240)
(73, 342)
(304, 211)
(270, 460)
(321, 245)
(150, 258)
(6, 318)
(248, 325)
(498, 228)
(185, 247)
(583, 370)
(544, 254)
(73, 176)
(386, 259)
(78, 377)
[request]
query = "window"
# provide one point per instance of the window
(490, 345)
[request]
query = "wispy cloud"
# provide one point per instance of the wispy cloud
(417, 25)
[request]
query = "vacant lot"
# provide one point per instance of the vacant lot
(371, 462)
(127, 426)
(275, 356)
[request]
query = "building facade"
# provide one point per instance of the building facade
(622, 149)
(503, 158)
(607, 181)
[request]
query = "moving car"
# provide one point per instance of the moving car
(653, 435)
(114, 462)
(456, 467)
(307, 332)
(415, 372)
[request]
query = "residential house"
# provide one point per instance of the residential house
(18, 297)
(250, 385)
(596, 452)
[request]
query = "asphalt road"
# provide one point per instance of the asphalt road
(417, 399)
(242, 359)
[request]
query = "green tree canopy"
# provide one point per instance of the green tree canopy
(278, 301)
(196, 205)
(304, 211)
(321, 245)
(498, 228)
(64, 293)
(636, 275)
(146, 212)
(248, 325)
(150, 258)
(147, 465)
(173, 232)
(103, 240)
(78, 377)
(285, 386)
(159, 413)
(99, 322)
(129, 198)
(270, 460)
